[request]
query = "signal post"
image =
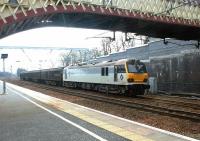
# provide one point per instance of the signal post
(4, 56)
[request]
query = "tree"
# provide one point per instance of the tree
(66, 58)
(94, 53)
(120, 43)
(106, 46)
(73, 58)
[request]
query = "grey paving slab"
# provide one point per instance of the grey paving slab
(21, 120)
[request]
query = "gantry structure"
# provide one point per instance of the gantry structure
(156, 18)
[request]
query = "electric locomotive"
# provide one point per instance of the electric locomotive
(123, 76)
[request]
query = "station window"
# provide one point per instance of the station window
(13, 1)
(107, 2)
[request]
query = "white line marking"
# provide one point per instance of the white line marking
(61, 117)
(123, 119)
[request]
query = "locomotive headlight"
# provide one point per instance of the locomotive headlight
(145, 80)
(130, 80)
(146, 76)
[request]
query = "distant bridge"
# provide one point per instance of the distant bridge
(156, 18)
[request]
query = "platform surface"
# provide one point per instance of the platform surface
(28, 115)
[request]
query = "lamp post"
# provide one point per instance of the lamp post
(4, 56)
(18, 66)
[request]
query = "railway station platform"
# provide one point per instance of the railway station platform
(30, 115)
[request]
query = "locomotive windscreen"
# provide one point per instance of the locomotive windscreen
(136, 67)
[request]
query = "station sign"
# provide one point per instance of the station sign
(3, 56)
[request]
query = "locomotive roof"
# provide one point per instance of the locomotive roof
(119, 62)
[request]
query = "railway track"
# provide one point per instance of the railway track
(173, 102)
(189, 115)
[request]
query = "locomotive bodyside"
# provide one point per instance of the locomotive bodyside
(121, 76)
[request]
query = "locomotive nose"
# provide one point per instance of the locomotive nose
(137, 77)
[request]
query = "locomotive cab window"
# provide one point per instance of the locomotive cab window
(136, 67)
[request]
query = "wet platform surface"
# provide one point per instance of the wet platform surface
(29, 115)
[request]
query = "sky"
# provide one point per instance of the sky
(31, 59)
(53, 37)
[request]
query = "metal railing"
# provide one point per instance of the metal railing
(186, 9)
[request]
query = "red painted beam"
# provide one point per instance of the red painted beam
(103, 11)
(88, 9)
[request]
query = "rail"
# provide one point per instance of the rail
(147, 107)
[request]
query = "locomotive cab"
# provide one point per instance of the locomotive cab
(136, 71)
(137, 76)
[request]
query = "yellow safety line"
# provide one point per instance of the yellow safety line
(59, 104)
(105, 125)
